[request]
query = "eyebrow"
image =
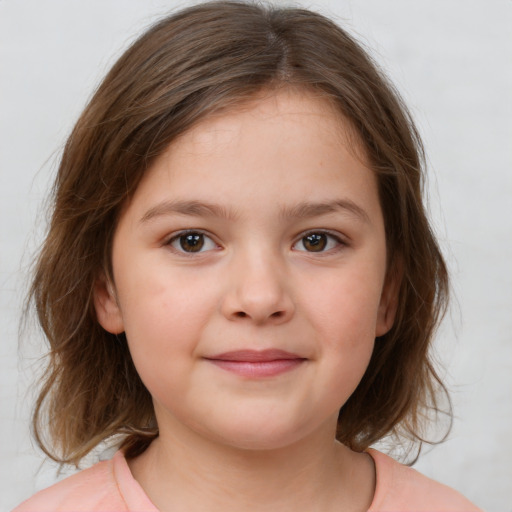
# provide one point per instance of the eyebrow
(310, 209)
(192, 208)
(299, 211)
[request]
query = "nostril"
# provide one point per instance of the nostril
(276, 314)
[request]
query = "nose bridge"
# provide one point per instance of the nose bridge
(258, 285)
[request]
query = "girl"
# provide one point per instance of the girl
(239, 284)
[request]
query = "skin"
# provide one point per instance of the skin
(263, 442)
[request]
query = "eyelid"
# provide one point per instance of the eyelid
(177, 234)
(342, 241)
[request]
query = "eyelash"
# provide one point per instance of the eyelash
(182, 234)
(339, 242)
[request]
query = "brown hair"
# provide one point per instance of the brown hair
(202, 59)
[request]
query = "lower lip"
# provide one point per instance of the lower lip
(258, 369)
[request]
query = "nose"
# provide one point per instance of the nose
(258, 292)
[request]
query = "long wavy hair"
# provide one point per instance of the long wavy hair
(200, 60)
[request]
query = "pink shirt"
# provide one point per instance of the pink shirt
(110, 487)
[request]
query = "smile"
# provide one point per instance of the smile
(257, 363)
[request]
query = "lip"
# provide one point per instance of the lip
(257, 363)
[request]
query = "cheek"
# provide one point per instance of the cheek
(347, 306)
(164, 314)
(344, 317)
(161, 339)
(158, 297)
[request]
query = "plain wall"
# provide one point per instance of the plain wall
(451, 60)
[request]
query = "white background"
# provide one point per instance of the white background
(452, 61)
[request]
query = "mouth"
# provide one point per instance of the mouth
(257, 363)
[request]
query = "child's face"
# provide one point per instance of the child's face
(249, 275)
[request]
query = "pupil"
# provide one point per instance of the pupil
(315, 242)
(192, 243)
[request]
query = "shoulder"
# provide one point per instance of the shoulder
(92, 489)
(402, 488)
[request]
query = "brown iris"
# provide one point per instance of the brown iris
(315, 242)
(192, 242)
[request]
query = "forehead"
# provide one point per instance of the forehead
(284, 145)
(286, 106)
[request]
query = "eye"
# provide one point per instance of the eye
(318, 241)
(192, 242)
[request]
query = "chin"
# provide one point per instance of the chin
(256, 436)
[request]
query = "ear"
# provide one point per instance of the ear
(107, 308)
(388, 305)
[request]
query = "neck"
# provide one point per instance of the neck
(316, 473)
